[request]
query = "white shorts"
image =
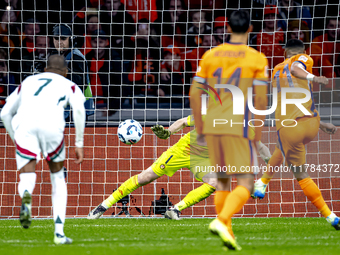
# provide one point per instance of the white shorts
(31, 141)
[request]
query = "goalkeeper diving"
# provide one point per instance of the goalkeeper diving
(186, 153)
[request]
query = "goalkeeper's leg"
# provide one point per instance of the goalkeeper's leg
(196, 165)
(195, 196)
(125, 189)
(261, 184)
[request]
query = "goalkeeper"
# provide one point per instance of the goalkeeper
(184, 154)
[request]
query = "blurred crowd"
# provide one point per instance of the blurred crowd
(147, 51)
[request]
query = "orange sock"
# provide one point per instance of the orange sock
(313, 194)
(233, 203)
(275, 160)
(219, 199)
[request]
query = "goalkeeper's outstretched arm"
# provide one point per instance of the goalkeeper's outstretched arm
(163, 133)
(178, 125)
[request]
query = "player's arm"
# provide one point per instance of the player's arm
(298, 70)
(177, 126)
(196, 90)
(328, 128)
(9, 110)
(196, 103)
(77, 100)
(195, 94)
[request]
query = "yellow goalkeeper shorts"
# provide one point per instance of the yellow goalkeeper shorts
(175, 158)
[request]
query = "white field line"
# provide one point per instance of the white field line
(106, 240)
(159, 245)
(178, 225)
(111, 225)
(172, 225)
(249, 238)
(140, 242)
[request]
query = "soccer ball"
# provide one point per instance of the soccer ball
(130, 131)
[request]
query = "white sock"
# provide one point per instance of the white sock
(27, 182)
(59, 200)
(331, 217)
(105, 206)
(259, 181)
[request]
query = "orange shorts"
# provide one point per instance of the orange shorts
(232, 154)
(292, 140)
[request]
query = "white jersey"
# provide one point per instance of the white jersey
(40, 100)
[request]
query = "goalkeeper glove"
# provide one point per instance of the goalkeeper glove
(160, 132)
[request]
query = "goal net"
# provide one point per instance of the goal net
(141, 57)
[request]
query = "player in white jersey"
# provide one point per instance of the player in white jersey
(34, 118)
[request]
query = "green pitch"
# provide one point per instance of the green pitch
(160, 236)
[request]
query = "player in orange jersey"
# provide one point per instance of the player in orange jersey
(230, 149)
(300, 129)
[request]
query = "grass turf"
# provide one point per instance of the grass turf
(160, 236)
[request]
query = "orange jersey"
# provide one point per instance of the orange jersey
(232, 64)
(282, 77)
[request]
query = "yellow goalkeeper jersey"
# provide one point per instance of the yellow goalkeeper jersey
(188, 143)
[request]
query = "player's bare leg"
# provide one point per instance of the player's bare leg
(126, 188)
(59, 200)
(193, 197)
(313, 193)
(25, 188)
